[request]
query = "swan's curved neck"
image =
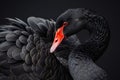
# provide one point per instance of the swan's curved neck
(98, 41)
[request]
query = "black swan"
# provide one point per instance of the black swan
(81, 58)
(27, 51)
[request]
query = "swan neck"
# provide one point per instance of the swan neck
(97, 43)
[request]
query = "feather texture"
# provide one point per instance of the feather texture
(26, 48)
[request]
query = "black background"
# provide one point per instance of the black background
(53, 8)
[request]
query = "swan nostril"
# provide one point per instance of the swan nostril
(56, 40)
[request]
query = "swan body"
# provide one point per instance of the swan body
(26, 51)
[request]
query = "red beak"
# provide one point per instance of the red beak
(59, 36)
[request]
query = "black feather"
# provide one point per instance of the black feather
(24, 49)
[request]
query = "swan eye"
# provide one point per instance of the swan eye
(65, 23)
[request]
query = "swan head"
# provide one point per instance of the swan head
(67, 24)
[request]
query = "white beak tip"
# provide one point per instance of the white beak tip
(52, 50)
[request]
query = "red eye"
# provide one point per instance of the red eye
(65, 23)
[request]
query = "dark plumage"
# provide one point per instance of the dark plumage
(81, 59)
(25, 48)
